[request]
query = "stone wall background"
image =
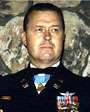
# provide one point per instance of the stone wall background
(14, 56)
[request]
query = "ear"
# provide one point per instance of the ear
(23, 38)
(64, 36)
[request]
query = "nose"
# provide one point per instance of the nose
(47, 35)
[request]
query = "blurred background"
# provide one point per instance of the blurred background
(14, 56)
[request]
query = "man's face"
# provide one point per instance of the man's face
(44, 38)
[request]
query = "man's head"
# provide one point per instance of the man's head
(43, 7)
(44, 34)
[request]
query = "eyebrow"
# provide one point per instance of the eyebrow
(50, 26)
(38, 26)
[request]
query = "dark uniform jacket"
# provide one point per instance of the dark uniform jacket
(64, 90)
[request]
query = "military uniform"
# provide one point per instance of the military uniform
(64, 90)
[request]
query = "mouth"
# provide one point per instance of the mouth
(46, 50)
(46, 46)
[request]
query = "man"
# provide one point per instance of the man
(46, 85)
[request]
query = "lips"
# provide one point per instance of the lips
(47, 46)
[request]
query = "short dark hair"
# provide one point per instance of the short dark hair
(43, 7)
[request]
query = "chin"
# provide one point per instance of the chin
(47, 59)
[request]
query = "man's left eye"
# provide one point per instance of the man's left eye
(55, 30)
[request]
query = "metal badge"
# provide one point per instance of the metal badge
(24, 83)
(58, 84)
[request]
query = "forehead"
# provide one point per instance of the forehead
(45, 16)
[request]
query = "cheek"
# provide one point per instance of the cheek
(33, 45)
(59, 46)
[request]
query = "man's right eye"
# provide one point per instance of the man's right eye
(39, 30)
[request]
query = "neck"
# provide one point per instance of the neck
(44, 66)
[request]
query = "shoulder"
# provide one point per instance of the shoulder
(17, 75)
(11, 80)
(73, 78)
